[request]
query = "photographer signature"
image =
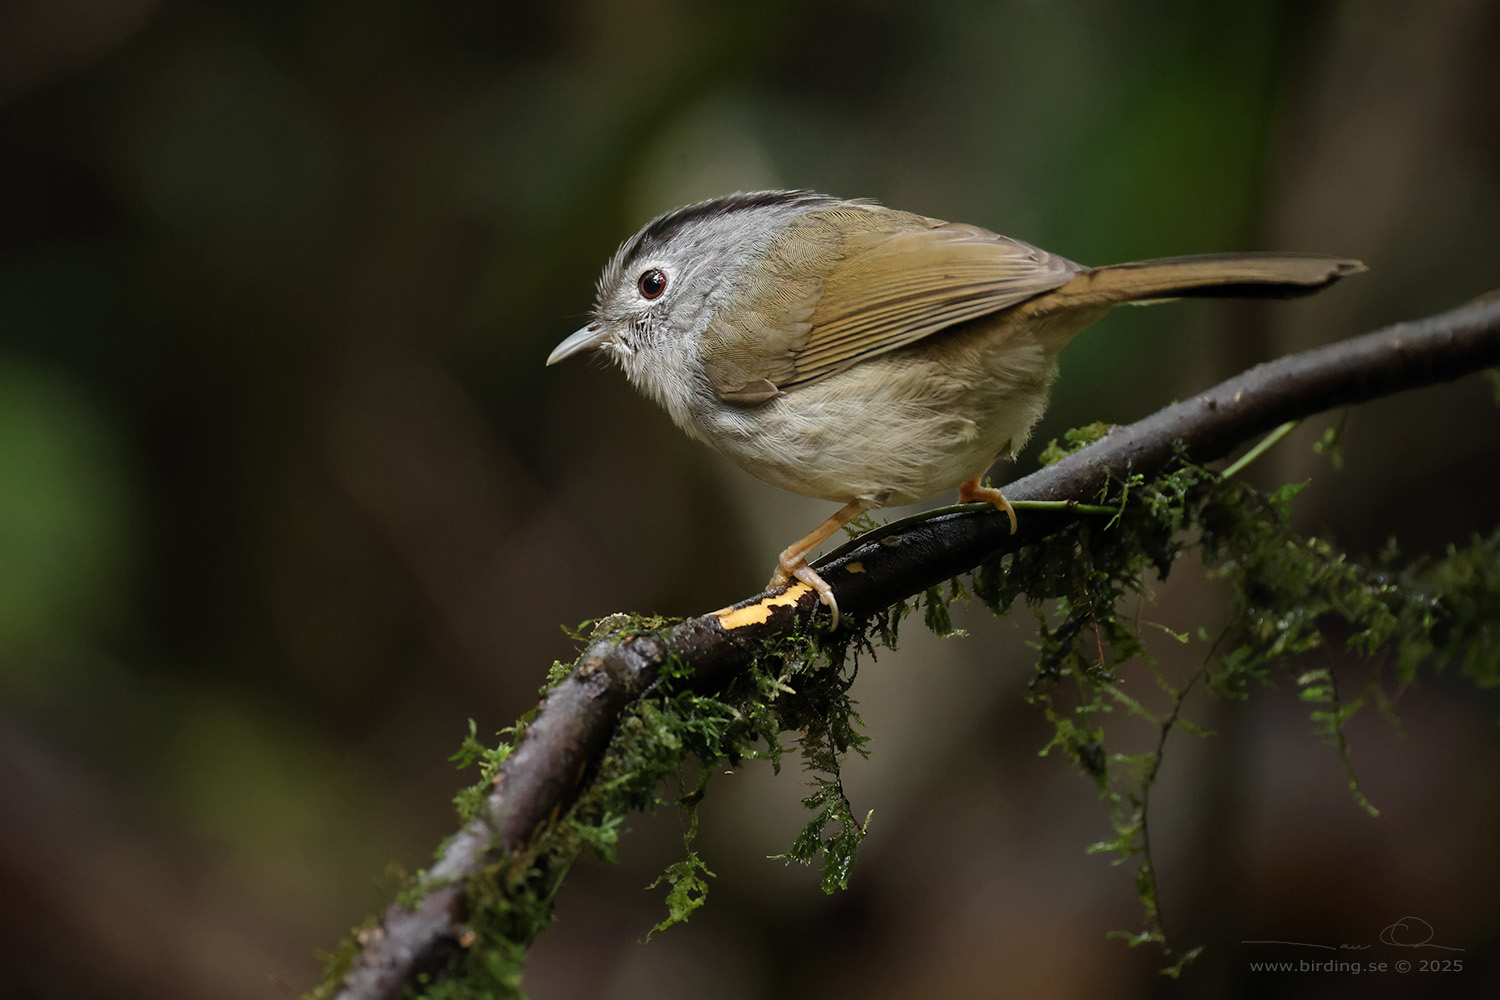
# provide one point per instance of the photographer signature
(1408, 932)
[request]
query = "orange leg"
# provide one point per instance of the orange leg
(793, 562)
(971, 492)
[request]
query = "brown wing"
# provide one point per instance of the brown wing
(854, 282)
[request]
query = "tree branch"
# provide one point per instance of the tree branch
(575, 720)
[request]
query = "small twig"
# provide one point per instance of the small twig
(1072, 505)
(1260, 449)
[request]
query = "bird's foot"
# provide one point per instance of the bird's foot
(972, 492)
(803, 573)
(793, 561)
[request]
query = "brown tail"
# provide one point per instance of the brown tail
(1240, 275)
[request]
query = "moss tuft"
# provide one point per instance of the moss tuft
(1287, 596)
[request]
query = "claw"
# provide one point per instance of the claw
(809, 576)
(799, 569)
(972, 492)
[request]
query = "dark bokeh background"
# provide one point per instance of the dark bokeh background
(287, 496)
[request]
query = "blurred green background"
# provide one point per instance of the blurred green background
(287, 495)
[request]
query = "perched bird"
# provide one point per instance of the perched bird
(867, 356)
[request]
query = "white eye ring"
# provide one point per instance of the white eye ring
(651, 283)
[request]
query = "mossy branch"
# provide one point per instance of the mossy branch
(504, 850)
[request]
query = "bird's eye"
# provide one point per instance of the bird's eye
(652, 283)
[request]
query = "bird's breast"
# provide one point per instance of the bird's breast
(895, 429)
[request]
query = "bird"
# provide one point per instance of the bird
(868, 356)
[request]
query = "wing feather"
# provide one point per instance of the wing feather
(850, 283)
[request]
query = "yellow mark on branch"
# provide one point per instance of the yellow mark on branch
(855, 567)
(757, 613)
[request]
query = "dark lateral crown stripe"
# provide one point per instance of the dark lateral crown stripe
(662, 228)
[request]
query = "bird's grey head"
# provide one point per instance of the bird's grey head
(661, 288)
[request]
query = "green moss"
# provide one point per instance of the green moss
(794, 687)
(336, 963)
(1287, 596)
(936, 616)
(1332, 445)
(1075, 439)
(686, 888)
